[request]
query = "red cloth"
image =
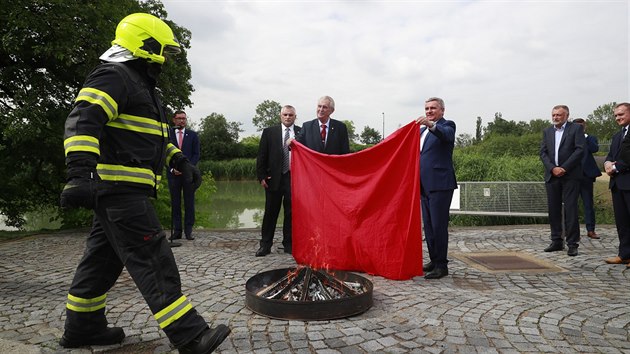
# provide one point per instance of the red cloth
(361, 211)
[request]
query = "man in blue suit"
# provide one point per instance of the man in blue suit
(561, 152)
(188, 142)
(590, 172)
(437, 183)
(617, 166)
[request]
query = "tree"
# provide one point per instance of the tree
(370, 135)
(48, 48)
(463, 140)
(218, 137)
(478, 135)
(352, 135)
(501, 126)
(601, 123)
(267, 114)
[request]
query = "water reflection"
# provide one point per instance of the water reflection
(235, 205)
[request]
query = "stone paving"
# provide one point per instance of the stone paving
(584, 309)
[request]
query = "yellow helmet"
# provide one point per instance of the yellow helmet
(146, 36)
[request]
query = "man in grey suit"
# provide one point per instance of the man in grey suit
(274, 175)
(561, 152)
(324, 134)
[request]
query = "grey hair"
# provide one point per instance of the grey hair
(329, 99)
(435, 99)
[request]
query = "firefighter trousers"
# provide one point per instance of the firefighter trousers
(126, 232)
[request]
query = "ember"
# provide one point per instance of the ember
(308, 294)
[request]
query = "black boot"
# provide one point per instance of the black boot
(109, 336)
(207, 341)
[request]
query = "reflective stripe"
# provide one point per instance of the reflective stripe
(100, 98)
(78, 304)
(138, 124)
(173, 312)
(171, 150)
(82, 143)
(120, 173)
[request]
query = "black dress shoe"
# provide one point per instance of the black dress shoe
(190, 237)
(262, 251)
(207, 341)
(553, 247)
(428, 267)
(176, 236)
(112, 335)
(437, 273)
(572, 251)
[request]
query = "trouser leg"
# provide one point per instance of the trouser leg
(287, 232)
(189, 208)
(554, 207)
(570, 193)
(131, 224)
(586, 193)
(96, 273)
(175, 189)
(621, 208)
(273, 201)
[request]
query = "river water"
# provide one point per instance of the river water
(235, 205)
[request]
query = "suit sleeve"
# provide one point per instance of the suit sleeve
(263, 156)
(545, 157)
(579, 141)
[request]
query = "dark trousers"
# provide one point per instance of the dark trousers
(126, 233)
(621, 207)
(586, 194)
(435, 217)
(176, 186)
(273, 201)
(559, 191)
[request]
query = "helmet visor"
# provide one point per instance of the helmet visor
(171, 50)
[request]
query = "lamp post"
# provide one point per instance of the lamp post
(383, 137)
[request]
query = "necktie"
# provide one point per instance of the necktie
(180, 138)
(285, 153)
(323, 133)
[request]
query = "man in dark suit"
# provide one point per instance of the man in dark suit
(617, 166)
(188, 142)
(324, 134)
(437, 183)
(273, 172)
(561, 152)
(590, 172)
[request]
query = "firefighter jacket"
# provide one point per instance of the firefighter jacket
(118, 122)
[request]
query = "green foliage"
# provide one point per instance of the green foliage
(370, 136)
(352, 135)
(232, 170)
(601, 123)
(267, 114)
(48, 48)
(504, 145)
(482, 167)
(218, 137)
(162, 204)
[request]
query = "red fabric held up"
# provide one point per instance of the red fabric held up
(361, 211)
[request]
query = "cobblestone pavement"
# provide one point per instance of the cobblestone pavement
(584, 309)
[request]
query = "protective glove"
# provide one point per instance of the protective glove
(80, 191)
(190, 172)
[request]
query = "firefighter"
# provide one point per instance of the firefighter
(116, 144)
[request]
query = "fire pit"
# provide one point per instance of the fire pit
(307, 294)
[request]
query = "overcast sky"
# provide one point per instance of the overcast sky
(519, 58)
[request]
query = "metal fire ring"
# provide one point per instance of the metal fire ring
(275, 283)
